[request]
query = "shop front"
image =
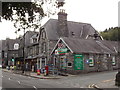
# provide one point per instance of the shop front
(82, 56)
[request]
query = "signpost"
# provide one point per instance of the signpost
(78, 62)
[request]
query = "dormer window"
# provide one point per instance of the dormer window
(16, 46)
(34, 40)
(31, 40)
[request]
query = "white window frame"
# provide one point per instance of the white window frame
(69, 62)
(113, 61)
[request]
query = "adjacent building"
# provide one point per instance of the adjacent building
(9, 51)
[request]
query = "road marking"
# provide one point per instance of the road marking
(93, 86)
(104, 81)
(2, 76)
(34, 87)
(18, 82)
(9, 78)
(20, 75)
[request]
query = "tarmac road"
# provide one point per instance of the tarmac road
(10, 80)
(102, 79)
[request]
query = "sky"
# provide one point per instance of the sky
(101, 14)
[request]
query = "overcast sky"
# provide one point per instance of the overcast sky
(101, 14)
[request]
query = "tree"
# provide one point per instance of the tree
(112, 34)
(28, 14)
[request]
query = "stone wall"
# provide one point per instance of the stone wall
(102, 62)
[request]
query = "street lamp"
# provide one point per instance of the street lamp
(24, 51)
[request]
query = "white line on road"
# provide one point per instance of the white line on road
(2, 76)
(9, 78)
(93, 86)
(18, 82)
(104, 81)
(34, 87)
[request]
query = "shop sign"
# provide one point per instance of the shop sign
(62, 51)
(91, 62)
(78, 62)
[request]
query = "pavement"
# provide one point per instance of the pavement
(33, 74)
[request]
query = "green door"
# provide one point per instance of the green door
(78, 62)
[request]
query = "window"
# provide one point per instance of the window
(43, 35)
(91, 61)
(69, 64)
(31, 40)
(16, 46)
(34, 40)
(43, 47)
(113, 60)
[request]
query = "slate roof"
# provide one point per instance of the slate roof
(8, 44)
(11, 43)
(81, 30)
(28, 35)
(90, 46)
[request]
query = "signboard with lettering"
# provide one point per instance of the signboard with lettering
(62, 51)
(78, 62)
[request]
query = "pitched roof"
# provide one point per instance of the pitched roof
(11, 42)
(92, 46)
(89, 46)
(81, 30)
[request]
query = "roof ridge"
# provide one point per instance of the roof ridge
(71, 21)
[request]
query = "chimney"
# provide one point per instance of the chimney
(62, 24)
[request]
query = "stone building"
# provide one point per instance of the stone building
(74, 55)
(32, 52)
(9, 51)
(24, 53)
(53, 29)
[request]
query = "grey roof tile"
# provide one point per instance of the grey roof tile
(88, 46)
(81, 30)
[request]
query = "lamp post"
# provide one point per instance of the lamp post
(23, 68)
(23, 48)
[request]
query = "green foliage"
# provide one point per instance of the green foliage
(112, 34)
(27, 15)
(21, 9)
